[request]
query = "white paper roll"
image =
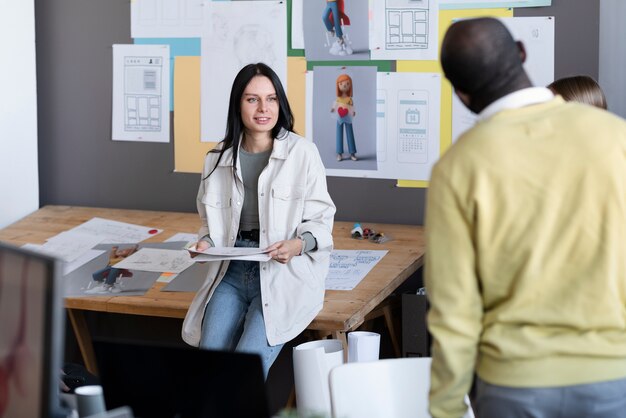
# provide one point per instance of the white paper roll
(363, 346)
(312, 363)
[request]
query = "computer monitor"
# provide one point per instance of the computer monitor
(160, 381)
(31, 334)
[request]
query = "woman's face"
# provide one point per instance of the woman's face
(259, 106)
(344, 86)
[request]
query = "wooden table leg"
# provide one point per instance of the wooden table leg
(341, 336)
(83, 337)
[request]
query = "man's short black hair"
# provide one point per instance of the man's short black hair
(480, 57)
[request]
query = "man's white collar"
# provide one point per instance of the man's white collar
(517, 99)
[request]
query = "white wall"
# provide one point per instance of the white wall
(612, 66)
(19, 184)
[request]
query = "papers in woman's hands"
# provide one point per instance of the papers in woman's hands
(229, 253)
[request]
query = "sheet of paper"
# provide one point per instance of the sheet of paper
(189, 152)
(236, 34)
(537, 35)
(116, 232)
(297, 30)
(68, 267)
(70, 245)
(230, 253)
(141, 93)
(249, 257)
(166, 18)
(349, 267)
(157, 260)
(405, 29)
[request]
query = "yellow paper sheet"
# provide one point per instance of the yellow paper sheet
(189, 152)
(296, 85)
(446, 17)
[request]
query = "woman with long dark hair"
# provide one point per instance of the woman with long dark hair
(262, 186)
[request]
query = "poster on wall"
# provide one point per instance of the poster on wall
(344, 117)
(405, 30)
(141, 93)
(237, 34)
(331, 38)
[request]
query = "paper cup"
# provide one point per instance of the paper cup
(89, 400)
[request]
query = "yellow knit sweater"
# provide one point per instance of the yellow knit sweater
(526, 255)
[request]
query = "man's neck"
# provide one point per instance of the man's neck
(479, 101)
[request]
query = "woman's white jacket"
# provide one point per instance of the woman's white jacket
(293, 199)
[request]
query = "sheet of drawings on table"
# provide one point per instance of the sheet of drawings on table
(90, 250)
(349, 267)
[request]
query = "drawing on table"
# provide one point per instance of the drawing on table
(407, 24)
(109, 278)
(413, 126)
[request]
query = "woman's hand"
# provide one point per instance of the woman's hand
(202, 245)
(283, 251)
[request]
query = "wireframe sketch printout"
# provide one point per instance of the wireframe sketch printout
(141, 93)
(405, 29)
(349, 267)
(166, 18)
(237, 34)
(537, 35)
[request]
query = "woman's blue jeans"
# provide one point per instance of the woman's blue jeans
(233, 318)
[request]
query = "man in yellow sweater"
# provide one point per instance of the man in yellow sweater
(526, 256)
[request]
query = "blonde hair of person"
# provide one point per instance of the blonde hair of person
(579, 88)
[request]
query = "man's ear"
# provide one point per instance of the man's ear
(522, 51)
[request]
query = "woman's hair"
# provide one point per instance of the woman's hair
(234, 124)
(343, 77)
(580, 88)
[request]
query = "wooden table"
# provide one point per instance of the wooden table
(343, 310)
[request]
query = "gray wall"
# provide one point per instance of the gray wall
(80, 165)
(613, 54)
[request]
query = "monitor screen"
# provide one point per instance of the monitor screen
(160, 381)
(31, 334)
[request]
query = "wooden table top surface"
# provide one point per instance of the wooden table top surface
(343, 310)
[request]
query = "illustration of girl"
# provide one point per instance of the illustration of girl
(344, 107)
(334, 18)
